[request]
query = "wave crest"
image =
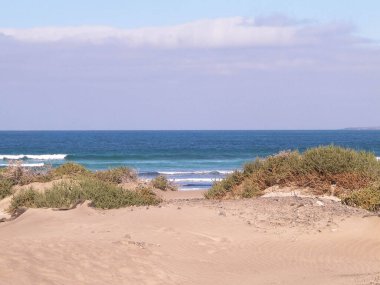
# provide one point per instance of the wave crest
(27, 164)
(33, 156)
(194, 180)
(201, 172)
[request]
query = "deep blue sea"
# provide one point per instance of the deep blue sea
(193, 159)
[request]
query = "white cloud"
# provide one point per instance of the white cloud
(216, 33)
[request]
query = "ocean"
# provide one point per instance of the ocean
(192, 159)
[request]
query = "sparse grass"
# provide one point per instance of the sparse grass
(162, 183)
(117, 175)
(5, 188)
(68, 193)
(349, 171)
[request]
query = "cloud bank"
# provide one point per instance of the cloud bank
(235, 73)
(215, 33)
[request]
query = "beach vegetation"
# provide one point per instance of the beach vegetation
(117, 175)
(222, 188)
(14, 173)
(323, 170)
(367, 198)
(69, 169)
(67, 194)
(163, 183)
(5, 188)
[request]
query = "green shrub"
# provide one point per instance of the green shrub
(317, 169)
(221, 188)
(250, 189)
(367, 198)
(64, 194)
(117, 175)
(70, 169)
(332, 160)
(217, 191)
(28, 198)
(67, 194)
(106, 195)
(5, 188)
(278, 169)
(232, 179)
(162, 183)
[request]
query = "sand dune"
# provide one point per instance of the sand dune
(191, 241)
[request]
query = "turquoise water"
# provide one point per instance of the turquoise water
(193, 159)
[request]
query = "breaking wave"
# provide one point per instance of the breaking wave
(204, 172)
(209, 180)
(33, 156)
(26, 164)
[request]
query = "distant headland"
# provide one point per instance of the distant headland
(362, 129)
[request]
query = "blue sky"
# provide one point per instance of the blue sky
(189, 65)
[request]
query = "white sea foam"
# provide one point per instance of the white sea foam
(191, 188)
(13, 157)
(225, 171)
(33, 164)
(195, 179)
(33, 156)
(27, 164)
(378, 158)
(195, 172)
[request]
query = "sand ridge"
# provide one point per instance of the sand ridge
(287, 240)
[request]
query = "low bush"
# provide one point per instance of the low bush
(117, 175)
(162, 183)
(333, 160)
(14, 173)
(69, 169)
(222, 188)
(19, 175)
(68, 193)
(324, 170)
(250, 189)
(367, 198)
(5, 188)
(28, 198)
(217, 191)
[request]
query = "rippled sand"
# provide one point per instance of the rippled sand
(188, 240)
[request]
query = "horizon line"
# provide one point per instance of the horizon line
(183, 130)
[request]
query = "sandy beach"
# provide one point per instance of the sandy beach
(189, 240)
(197, 142)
